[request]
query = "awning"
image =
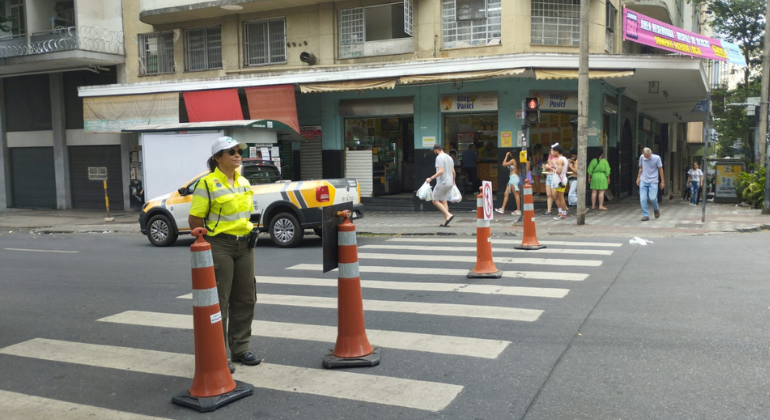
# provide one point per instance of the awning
(274, 103)
(468, 75)
(547, 74)
(281, 128)
(213, 105)
(111, 114)
(348, 85)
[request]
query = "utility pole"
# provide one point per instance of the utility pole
(583, 113)
(763, 152)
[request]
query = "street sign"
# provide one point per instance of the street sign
(487, 197)
(329, 223)
(97, 173)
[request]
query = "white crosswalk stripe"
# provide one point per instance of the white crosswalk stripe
(29, 407)
(421, 395)
(451, 272)
(485, 289)
(472, 259)
(497, 241)
(430, 343)
(444, 309)
(494, 250)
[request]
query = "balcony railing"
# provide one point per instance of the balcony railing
(88, 38)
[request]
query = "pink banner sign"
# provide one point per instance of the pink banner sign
(647, 31)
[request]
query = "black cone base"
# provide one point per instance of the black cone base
(529, 247)
(207, 404)
(333, 362)
(495, 275)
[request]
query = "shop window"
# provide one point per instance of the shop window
(556, 22)
(203, 49)
(264, 42)
(470, 23)
(610, 24)
(156, 53)
(376, 30)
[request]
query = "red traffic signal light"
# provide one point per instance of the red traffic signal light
(532, 103)
(531, 110)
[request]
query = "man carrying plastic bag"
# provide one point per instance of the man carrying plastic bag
(445, 180)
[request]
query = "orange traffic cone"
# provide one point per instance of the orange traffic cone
(485, 267)
(352, 348)
(529, 241)
(213, 386)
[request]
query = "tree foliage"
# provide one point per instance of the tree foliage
(732, 123)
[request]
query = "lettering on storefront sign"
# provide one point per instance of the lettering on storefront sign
(557, 100)
(469, 102)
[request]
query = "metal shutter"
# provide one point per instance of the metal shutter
(33, 178)
(311, 161)
(90, 194)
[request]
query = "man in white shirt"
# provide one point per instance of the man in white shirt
(695, 177)
(650, 167)
(445, 180)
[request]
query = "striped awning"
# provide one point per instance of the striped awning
(468, 75)
(547, 74)
(348, 85)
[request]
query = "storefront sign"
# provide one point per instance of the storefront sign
(428, 141)
(557, 101)
(469, 102)
(506, 139)
(112, 114)
(654, 33)
(310, 132)
(727, 178)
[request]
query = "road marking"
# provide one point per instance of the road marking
(30, 407)
(496, 250)
(510, 241)
(485, 289)
(421, 395)
(420, 308)
(531, 275)
(41, 250)
(472, 259)
(442, 344)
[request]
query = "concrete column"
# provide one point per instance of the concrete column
(125, 166)
(5, 158)
(60, 155)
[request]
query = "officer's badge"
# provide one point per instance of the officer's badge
(217, 183)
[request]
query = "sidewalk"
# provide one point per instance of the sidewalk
(622, 219)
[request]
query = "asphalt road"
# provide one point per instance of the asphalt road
(677, 329)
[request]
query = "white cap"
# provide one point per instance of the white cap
(224, 143)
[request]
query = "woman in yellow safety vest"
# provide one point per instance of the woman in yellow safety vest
(222, 203)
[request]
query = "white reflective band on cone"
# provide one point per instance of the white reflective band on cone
(527, 191)
(205, 297)
(481, 223)
(479, 202)
(348, 270)
(201, 259)
(346, 238)
(529, 206)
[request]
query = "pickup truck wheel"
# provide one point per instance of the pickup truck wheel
(160, 231)
(285, 230)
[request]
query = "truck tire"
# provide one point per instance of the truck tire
(160, 231)
(285, 230)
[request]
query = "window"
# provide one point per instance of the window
(15, 12)
(264, 42)
(611, 24)
(361, 28)
(556, 22)
(203, 49)
(156, 53)
(468, 23)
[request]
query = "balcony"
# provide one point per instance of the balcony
(157, 12)
(54, 36)
(663, 10)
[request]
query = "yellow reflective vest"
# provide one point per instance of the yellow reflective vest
(226, 208)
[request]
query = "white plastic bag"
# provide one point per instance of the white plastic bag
(456, 196)
(638, 240)
(572, 193)
(425, 193)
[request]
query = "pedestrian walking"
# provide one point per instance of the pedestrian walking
(223, 205)
(559, 181)
(598, 179)
(549, 168)
(650, 171)
(513, 184)
(470, 160)
(694, 179)
(445, 180)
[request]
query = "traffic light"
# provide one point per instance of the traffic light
(531, 111)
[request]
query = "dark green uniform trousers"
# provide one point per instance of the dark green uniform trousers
(237, 289)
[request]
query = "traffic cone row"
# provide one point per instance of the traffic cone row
(485, 267)
(529, 240)
(213, 385)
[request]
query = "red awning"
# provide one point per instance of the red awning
(273, 103)
(213, 105)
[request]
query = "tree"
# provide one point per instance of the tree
(732, 123)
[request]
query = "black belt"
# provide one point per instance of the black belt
(238, 238)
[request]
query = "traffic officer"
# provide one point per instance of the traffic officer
(222, 203)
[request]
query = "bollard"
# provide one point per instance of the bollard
(529, 241)
(213, 385)
(485, 267)
(352, 348)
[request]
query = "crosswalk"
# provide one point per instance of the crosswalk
(420, 279)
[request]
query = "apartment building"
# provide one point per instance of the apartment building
(373, 84)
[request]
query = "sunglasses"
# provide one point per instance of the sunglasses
(232, 152)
